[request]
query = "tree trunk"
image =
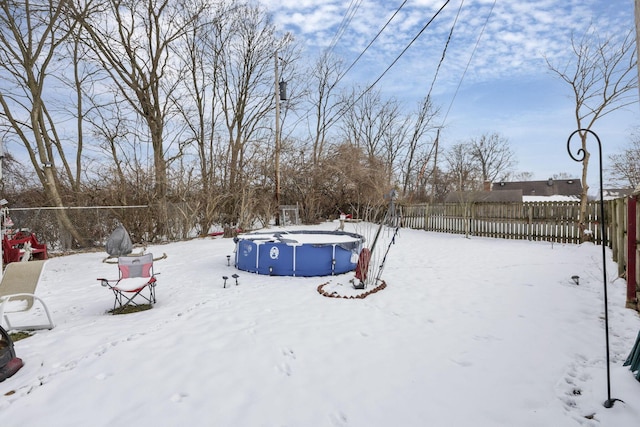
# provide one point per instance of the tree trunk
(61, 214)
(585, 190)
(637, 19)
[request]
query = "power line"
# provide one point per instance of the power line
(434, 147)
(473, 52)
(475, 47)
(343, 25)
(346, 20)
(343, 110)
(370, 43)
(444, 51)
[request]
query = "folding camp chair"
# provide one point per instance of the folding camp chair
(17, 288)
(137, 282)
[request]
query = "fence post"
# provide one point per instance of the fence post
(425, 225)
(632, 242)
(529, 221)
(617, 228)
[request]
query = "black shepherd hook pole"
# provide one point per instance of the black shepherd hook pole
(579, 157)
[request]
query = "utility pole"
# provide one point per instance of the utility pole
(277, 147)
(434, 179)
(280, 94)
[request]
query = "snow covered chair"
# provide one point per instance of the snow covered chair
(17, 288)
(136, 285)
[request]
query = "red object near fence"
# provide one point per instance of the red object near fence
(14, 249)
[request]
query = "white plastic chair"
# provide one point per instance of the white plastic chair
(17, 289)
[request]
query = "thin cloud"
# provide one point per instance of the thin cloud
(507, 86)
(516, 37)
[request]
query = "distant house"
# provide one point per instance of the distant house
(548, 190)
(616, 193)
(520, 191)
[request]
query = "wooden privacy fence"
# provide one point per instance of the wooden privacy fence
(548, 221)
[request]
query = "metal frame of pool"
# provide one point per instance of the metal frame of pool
(302, 253)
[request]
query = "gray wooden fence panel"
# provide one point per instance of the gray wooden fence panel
(545, 221)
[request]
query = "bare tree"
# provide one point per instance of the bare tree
(84, 75)
(369, 122)
(114, 134)
(522, 176)
(16, 177)
(31, 35)
(624, 167)
(562, 175)
(200, 60)
(245, 93)
(603, 78)
(461, 168)
(463, 175)
(352, 178)
(395, 143)
(492, 155)
(636, 14)
(323, 99)
(303, 161)
(134, 40)
(416, 153)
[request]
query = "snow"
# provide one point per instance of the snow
(468, 332)
(299, 237)
(556, 198)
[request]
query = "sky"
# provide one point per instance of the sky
(469, 331)
(494, 77)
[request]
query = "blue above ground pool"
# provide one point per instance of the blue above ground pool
(298, 253)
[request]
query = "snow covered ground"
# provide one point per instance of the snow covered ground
(469, 332)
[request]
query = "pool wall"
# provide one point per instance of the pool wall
(295, 254)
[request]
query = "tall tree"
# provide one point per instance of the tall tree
(200, 68)
(376, 126)
(603, 77)
(245, 96)
(367, 120)
(416, 153)
(322, 96)
(306, 182)
(492, 155)
(134, 40)
(461, 168)
(31, 36)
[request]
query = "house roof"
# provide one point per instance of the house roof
(616, 193)
(550, 187)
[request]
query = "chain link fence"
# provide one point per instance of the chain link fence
(145, 224)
